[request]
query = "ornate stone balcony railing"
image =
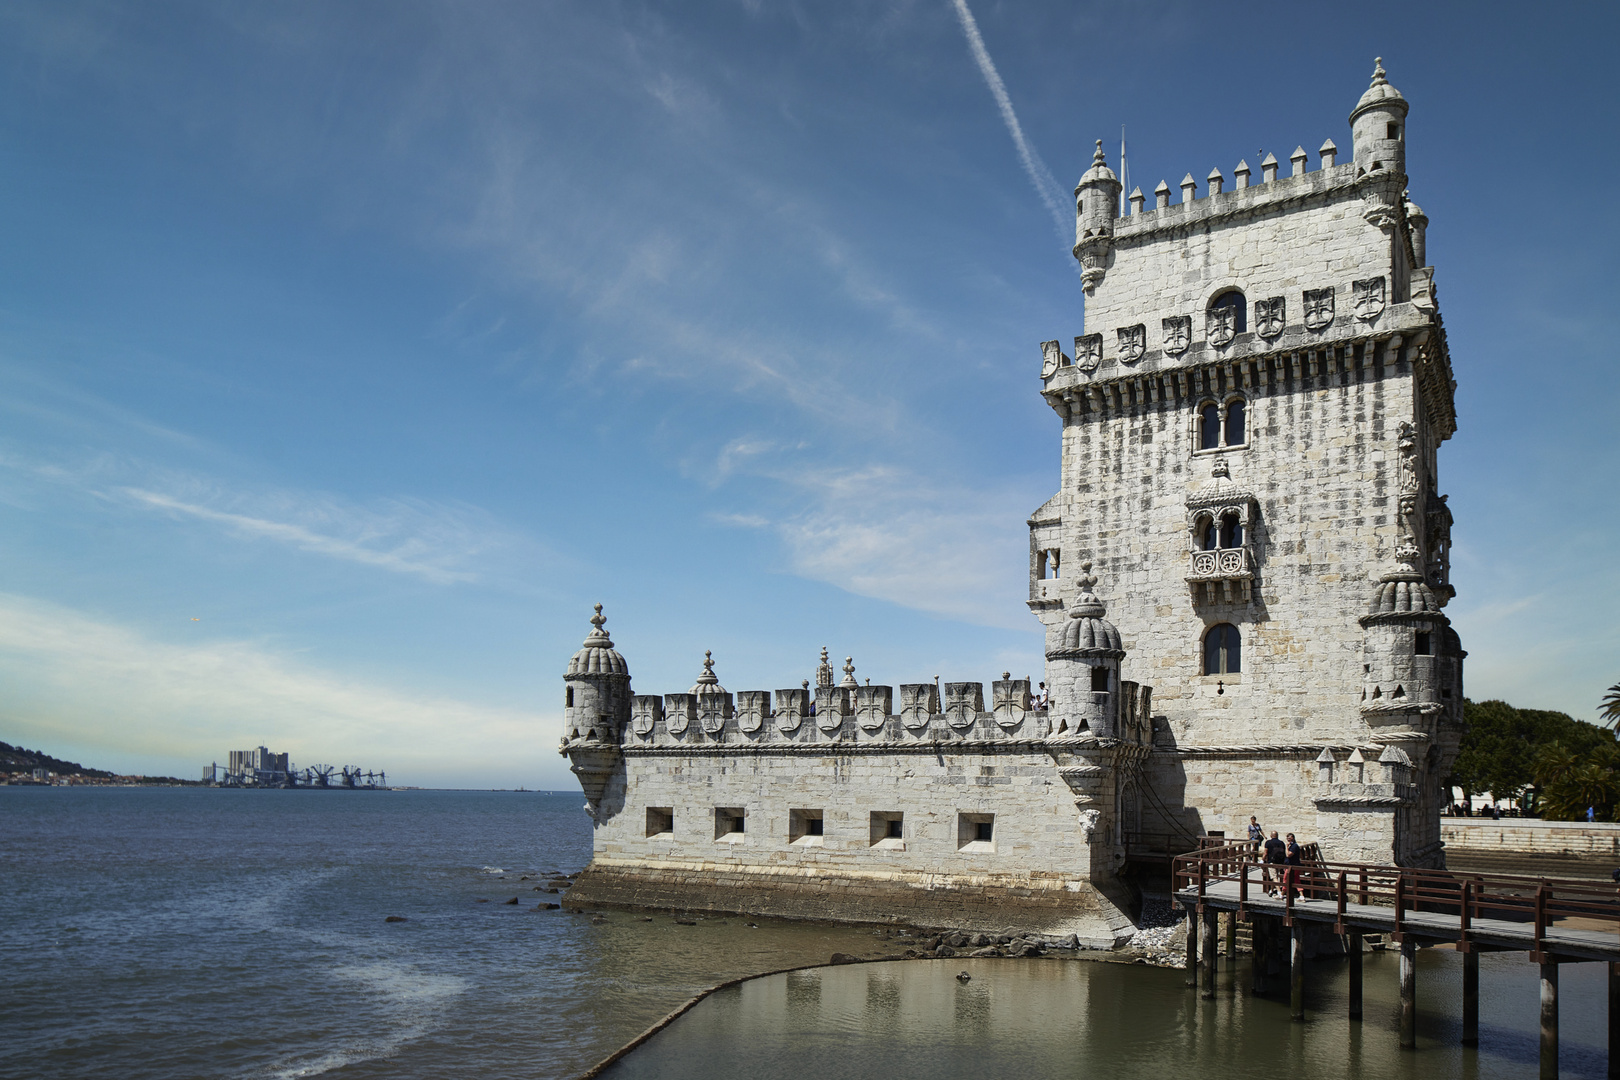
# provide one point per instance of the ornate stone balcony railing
(1221, 574)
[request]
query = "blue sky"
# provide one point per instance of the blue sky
(350, 352)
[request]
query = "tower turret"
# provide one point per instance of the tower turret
(1096, 205)
(1378, 126)
(596, 708)
(1405, 632)
(1082, 667)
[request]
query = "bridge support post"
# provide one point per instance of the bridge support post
(1209, 947)
(1296, 971)
(1408, 993)
(1549, 1019)
(1231, 940)
(1260, 952)
(1470, 1031)
(1192, 946)
(1614, 1020)
(1355, 974)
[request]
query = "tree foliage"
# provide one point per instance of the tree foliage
(1609, 707)
(1552, 763)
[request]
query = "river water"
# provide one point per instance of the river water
(176, 933)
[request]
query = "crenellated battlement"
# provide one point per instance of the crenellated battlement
(921, 714)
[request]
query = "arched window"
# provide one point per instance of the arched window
(1209, 535)
(1209, 427)
(1231, 532)
(1222, 650)
(1235, 433)
(1240, 309)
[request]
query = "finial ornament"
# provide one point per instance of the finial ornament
(598, 620)
(1099, 157)
(1378, 71)
(1087, 578)
(708, 677)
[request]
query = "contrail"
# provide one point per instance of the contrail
(1046, 185)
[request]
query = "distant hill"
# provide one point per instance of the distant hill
(17, 759)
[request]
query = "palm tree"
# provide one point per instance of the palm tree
(1609, 710)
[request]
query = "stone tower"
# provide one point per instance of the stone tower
(1251, 421)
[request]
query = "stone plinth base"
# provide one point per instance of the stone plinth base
(1098, 916)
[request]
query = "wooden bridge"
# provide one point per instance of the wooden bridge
(1555, 921)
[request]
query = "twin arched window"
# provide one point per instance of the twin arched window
(1223, 650)
(1225, 533)
(1220, 425)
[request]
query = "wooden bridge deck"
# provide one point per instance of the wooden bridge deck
(1562, 939)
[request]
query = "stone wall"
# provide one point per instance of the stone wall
(1512, 836)
(665, 827)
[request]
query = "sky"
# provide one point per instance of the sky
(349, 352)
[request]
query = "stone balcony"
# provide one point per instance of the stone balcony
(1221, 575)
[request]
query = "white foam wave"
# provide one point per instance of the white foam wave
(411, 1000)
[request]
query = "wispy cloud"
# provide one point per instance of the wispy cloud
(72, 677)
(1046, 186)
(371, 538)
(891, 534)
(441, 543)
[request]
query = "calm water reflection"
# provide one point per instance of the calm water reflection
(1036, 1019)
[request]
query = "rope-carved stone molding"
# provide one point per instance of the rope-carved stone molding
(839, 746)
(1288, 750)
(1324, 801)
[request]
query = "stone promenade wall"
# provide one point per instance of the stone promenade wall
(1512, 836)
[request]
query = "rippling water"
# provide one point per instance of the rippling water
(209, 933)
(1070, 1019)
(178, 933)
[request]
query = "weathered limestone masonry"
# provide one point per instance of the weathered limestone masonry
(1250, 429)
(1251, 424)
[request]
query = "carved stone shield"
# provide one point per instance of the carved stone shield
(964, 701)
(1088, 352)
(1369, 298)
(679, 712)
(1177, 334)
(713, 711)
(753, 706)
(832, 706)
(792, 706)
(645, 711)
(1010, 701)
(1051, 359)
(1132, 343)
(1318, 308)
(1220, 326)
(918, 703)
(1269, 317)
(872, 706)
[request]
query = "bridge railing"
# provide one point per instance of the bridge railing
(1469, 897)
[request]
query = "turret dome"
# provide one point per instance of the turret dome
(1380, 93)
(707, 681)
(1087, 632)
(597, 656)
(1099, 171)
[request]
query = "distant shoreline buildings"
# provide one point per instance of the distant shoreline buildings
(263, 768)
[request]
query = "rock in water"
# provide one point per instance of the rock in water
(842, 958)
(512, 901)
(396, 918)
(964, 977)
